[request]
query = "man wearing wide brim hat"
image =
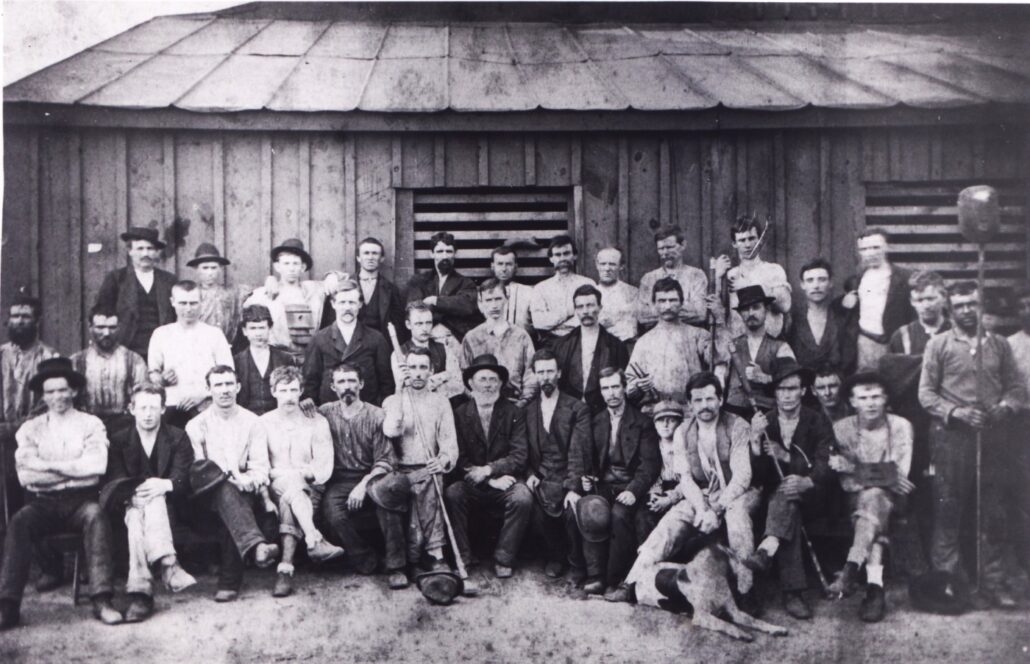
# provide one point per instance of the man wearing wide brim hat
(219, 304)
(140, 293)
(754, 352)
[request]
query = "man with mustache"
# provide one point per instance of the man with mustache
(219, 304)
(756, 350)
(491, 461)
(255, 364)
(140, 293)
(364, 481)
(20, 358)
(507, 343)
(450, 294)
(551, 306)
(816, 327)
(669, 243)
(621, 301)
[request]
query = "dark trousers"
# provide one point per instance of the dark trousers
(231, 514)
(344, 524)
(610, 560)
(554, 530)
(783, 521)
(513, 506)
(72, 509)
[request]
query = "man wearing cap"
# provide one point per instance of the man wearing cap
(382, 303)
(450, 294)
(446, 376)
(556, 424)
(140, 293)
(295, 303)
(61, 456)
(586, 350)
(621, 301)
(152, 461)
(503, 266)
(551, 305)
(669, 243)
(620, 466)
(755, 350)
(219, 304)
(797, 439)
(364, 481)
(872, 457)
(492, 452)
(664, 493)
(255, 364)
(508, 343)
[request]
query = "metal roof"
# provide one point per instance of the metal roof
(225, 62)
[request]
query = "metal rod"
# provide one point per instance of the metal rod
(980, 403)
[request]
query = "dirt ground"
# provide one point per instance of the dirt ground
(338, 617)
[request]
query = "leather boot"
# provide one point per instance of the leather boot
(10, 614)
(140, 608)
(104, 612)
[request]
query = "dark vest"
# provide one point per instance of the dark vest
(369, 313)
(552, 455)
(148, 318)
(723, 444)
(261, 400)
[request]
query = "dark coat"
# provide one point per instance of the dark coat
(609, 352)
(174, 453)
(118, 291)
(570, 427)
(809, 453)
(810, 354)
(638, 441)
(456, 306)
(896, 312)
(504, 447)
(390, 309)
(246, 369)
(368, 351)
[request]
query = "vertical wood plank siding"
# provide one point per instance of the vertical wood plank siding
(69, 193)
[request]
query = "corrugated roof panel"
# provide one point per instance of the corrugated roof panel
(484, 43)
(740, 41)
(978, 78)
(285, 38)
(350, 40)
(906, 86)
(543, 44)
(488, 86)
(241, 83)
(1020, 66)
(323, 84)
(71, 80)
(570, 86)
(407, 85)
(675, 40)
(997, 39)
(733, 84)
(648, 84)
(837, 44)
(221, 37)
(136, 89)
(613, 43)
(806, 78)
(415, 41)
(154, 35)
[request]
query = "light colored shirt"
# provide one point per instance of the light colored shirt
(619, 305)
(547, 406)
(427, 425)
(1020, 344)
(228, 442)
(695, 287)
(788, 425)
(551, 308)
(295, 445)
(773, 280)
(670, 459)
(588, 343)
(311, 293)
(516, 311)
(191, 352)
(892, 442)
(671, 354)
(346, 331)
(261, 357)
(513, 349)
(220, 306)
(146, 279)
(872, 298)
(17, 367)
(109, 378)
(57, 453)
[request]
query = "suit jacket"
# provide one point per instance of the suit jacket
(896, 312)
(118, 291)
(809, 452)
(390, 309)
(638, 442)
(246, 369)
(456, 306)
(570, 427)
(174, 453)
(368, 351)
(504, 447)
(610, 351)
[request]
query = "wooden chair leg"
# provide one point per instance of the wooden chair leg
(75, 578)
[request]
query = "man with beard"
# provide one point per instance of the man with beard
(255, 364)
(491, 459)
(961, 408)
(111, 371)
(872, 458)
(507, 343)
(219, 304)
(756, 351)
(348, 340)
(586, 350)
(620, 466)
(504, 265)
(693, 281)
(181, 354)
(665, 358)
(556, 424)
(427, 449)
(551, 306)
(826, 387)
(365, 462)
(300, 460)
(815, 327)
(140, 293)
(450, 294)
(20, 358)
(446, 376)
(621, 301)
(223, 434)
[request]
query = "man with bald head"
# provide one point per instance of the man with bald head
(619, 315)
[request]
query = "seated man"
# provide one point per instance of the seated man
(364, 480)
(873, 455)
(222, 434)
(61, 456)
(255, 364)
(491, 459)
(300, 459)
(664, 493)
(158, 457)
(790, 458)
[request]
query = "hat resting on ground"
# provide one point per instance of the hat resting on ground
(56, 367)
(295, 247)
(439, 586)
(143, 233)
(207, 253)
(485, 361)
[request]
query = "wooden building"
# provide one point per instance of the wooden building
(331, 122)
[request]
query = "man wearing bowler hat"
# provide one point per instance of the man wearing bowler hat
(755, 350)
(61, 456)
(491, 462)
(140, 293)
(219, 304)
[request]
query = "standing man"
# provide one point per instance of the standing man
(140, 293)
(816, 327)
(381, 299)
(757, 350)
(255, 364)
(450, 294)
(693, 282)
(508, 343)
(551, 306)
(492, 451)
(300, 459)
(219, 304)
(112, 371)
(20, 358)
(446, 371)
(582, 353)
(62, 454)
(621, 301)
(504, 265)
(347, 341)
(960, 409)
(181, 354)
(364, 479)
(1020, 343)
(753, 271)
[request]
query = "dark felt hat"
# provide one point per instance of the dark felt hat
(295, 247)
(117, 492)
(785, 367)
(594, 518)
(391, 492)
(56, 367)
(207, 253)
(143, 233)
(749, 295)
(205, 475)
(940, 592)
(863, 378)
(484, 361)
(439, 586)
(522, 243)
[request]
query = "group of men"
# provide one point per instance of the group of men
(621, 425)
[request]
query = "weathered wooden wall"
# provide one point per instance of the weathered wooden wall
(69, 193)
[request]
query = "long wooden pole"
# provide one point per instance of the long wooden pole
(980, 403)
